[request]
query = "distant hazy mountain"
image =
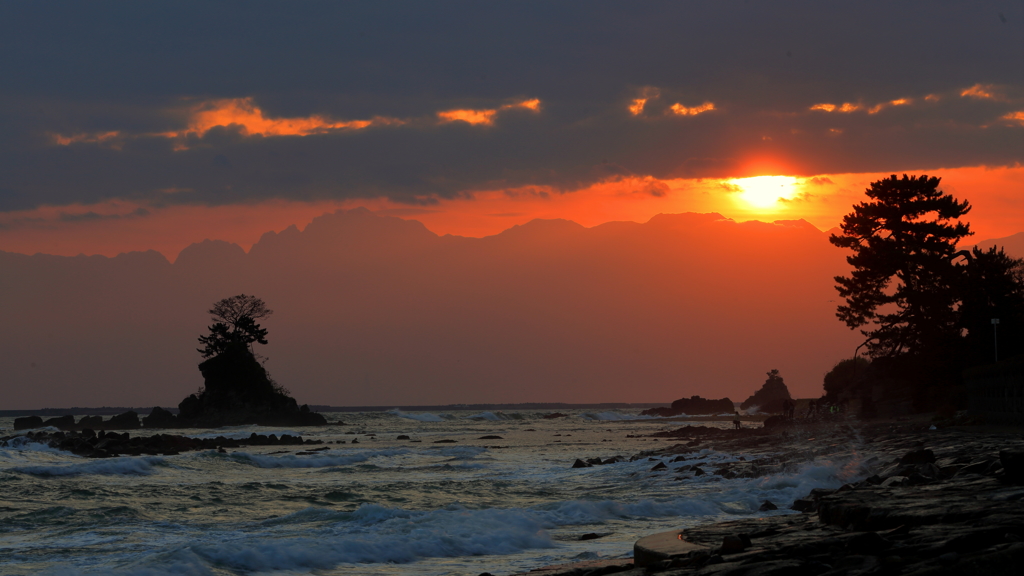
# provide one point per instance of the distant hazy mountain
(1012, 245)
(373, 310)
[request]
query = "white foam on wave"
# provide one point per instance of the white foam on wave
(398, 538)
(494, 416)
(26, 444)
(457, 452)
(126, 466)
(326, 539)
(318, 460)
(371, 534)
(418, 416)
(615, 416)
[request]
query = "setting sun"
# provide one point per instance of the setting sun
(764, 191)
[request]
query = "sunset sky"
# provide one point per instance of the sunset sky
(137, 126)
(154, 126)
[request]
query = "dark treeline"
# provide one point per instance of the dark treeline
(928, 310)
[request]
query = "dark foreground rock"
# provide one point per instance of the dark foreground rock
(924, 501)
(89, 444)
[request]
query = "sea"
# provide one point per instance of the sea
(443, 502)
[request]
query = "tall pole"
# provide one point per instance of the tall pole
(995, 336)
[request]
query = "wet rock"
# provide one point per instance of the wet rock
(980, 467)
(1013, 465)
(160, 418)
(659, 466)
(804, 506)
(28, 422)
(126, 421)
(402, 437)
(66, 422)
(733, 544)
(894, 481)
(580, 464)
(921, 456)
(490, 437)
(867, 543)
(90, 422)
(444, 441)
(768, 506)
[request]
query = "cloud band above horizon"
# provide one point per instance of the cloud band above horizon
(214, 105)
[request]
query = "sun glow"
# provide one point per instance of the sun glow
(765, 191)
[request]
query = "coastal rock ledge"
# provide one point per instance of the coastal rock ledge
(930, 502)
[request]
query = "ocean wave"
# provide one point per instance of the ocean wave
(615, 416)
(418, 416)
(457, 452)
(137, 466)
(26, 444)
(494, 417)
(319, 460)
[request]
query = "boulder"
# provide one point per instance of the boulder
(28, 422)
(127, 421)
(580, 464)
(768, 506)
(160, 418)
(804, 506)
(90, 422)
(921, 456)
(66, 422)
(1013, 465)
(734, 544)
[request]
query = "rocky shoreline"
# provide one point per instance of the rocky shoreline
(926, 500)
(90, 444)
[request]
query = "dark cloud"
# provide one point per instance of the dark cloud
(136, 70)
(91, 216)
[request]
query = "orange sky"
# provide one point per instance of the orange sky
(113, 227)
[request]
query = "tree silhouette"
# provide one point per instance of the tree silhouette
(993, 288)
(235, 325)
(904, 281)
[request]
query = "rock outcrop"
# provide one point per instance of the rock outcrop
(693, 406)
(238, 391)
(771, 396)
